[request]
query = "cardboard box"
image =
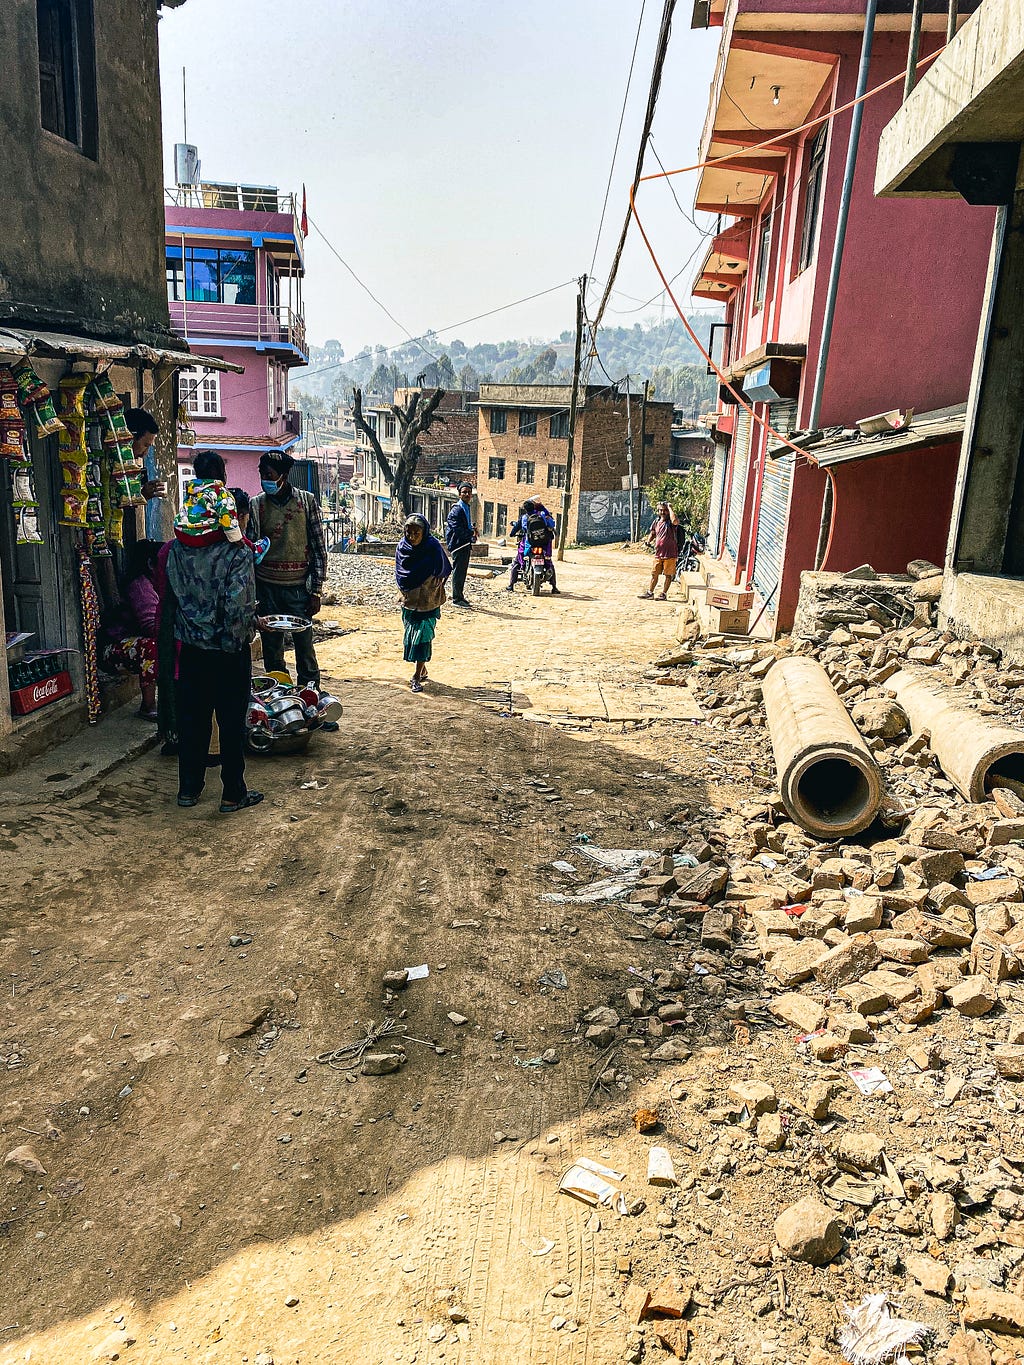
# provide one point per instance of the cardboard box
(730, 599)
(25, 700)
(730, 622)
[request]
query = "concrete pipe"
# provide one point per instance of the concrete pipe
(830, 783)
(973, 752)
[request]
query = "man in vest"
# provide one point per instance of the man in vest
(291, 576)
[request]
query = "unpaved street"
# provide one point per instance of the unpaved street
(202, 1170)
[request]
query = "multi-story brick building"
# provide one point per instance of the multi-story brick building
(524, 446)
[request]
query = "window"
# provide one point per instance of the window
(524, 471)
(389, 428)
(558, 427)
(501, 523)
(764, 246)
(488, 518)
(556, 475)
(199, 390)
(210, 275)
(495, 468)
(67, 76)
(499, 421)
(527, 423)
(812, 196)
(271, 390)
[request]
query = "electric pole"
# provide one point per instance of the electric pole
(629, 462)
(573, 406)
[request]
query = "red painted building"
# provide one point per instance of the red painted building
(899, 340)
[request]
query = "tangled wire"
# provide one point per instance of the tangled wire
(347, 1056)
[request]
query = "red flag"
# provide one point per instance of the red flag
(303, 221)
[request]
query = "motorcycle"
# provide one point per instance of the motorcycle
(538, 568)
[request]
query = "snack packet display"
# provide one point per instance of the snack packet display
(26, 525)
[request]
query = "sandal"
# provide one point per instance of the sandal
(251, 798)
(148, 715)
(184, 800)
(645, 594)
(661, 596)
(416, 685)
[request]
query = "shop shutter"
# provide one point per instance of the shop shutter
(774, 509)
(741, 446)
(717, 499)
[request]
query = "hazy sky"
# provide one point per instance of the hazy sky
(455, 154)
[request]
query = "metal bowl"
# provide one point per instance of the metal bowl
(279, 621)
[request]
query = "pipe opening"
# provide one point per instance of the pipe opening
(1006, 771)
(834, 793)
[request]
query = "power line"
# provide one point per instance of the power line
(618, 133)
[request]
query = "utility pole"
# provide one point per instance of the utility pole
(629, 462)
(573, 407)
(643, 432)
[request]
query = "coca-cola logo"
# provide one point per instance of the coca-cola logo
(44, 689)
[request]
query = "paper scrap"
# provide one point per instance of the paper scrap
(587, 1181)
(870, 1080)
(872, 1334)
(417, 973)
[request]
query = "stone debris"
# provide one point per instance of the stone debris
(809, 1231)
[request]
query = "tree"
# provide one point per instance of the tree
(416, 417)
(469, 380)
(688, 494)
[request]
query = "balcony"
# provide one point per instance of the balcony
(277, 324)
(293, 422)
(215, 194)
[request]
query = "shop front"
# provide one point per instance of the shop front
(71, 502)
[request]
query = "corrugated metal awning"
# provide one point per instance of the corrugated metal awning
(925, 430)
(64, 346)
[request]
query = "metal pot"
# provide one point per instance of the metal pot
(288, 712)
(330, 708)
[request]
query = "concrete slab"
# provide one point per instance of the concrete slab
(574, 698)
(66, 770)
(649, 701)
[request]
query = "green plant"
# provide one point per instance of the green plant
(688, 494)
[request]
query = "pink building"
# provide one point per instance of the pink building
(901, 339)
(234, 288)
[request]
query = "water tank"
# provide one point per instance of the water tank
(186, 163)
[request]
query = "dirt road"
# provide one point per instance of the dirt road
(202, 1170)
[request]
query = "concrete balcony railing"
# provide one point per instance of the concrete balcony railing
(239, 322)
(215, 194)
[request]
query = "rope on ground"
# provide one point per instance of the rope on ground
(347, 1056)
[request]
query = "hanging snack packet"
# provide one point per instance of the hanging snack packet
(73, 513)
(72, 395)
(26, 526)
(23, 486)
(31, 388)
(12, 439)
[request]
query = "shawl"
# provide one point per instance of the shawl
(414, 564)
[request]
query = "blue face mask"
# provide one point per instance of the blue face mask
(269, 485)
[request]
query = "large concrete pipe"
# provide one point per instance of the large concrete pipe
(830, 783)
(973, 752)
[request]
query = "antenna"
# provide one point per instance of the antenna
(184, 107)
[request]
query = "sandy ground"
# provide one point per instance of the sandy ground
(199, 1177)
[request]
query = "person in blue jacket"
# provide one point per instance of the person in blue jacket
(532, 507)
(459, 536)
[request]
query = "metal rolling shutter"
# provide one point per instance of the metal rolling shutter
(717, 498)
(741, 445)
(771, 525)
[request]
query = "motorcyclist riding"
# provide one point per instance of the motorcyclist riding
(532, 509)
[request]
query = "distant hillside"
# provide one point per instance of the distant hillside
(660, 352)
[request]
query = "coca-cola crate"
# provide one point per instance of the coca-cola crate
(25, 700)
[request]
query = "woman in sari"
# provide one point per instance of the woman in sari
(421, 571)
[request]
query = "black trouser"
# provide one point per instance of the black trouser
(283, 599)
(460, 567)
(211, 680)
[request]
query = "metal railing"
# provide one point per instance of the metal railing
(914, 45)
(244, 321)
(215, 194)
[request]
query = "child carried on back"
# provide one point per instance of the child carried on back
(208, 513)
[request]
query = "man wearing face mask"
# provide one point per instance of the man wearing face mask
(290, 578)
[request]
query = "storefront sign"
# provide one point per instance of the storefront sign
(604, 517)
(30, 698)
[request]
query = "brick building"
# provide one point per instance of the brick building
(524, 446)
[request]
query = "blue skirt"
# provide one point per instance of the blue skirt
(419, 634)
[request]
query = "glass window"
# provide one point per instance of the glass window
(764, 246)
(501, 522)
(389, 428)
(488, 518)
(524, 471)
(237, 276)
(210, 275)
(499, 421)
(556, 475)
(495, 468)
(812, 196)
(527, 423)
(201, 275)
(199, 390)
(558, 427)
(175, 275)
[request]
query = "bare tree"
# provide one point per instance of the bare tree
(414, 419)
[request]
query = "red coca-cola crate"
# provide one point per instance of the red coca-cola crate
(35, 695)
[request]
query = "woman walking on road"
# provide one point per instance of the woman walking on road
(421, 570)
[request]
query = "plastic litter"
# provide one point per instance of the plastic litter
(546, 1245)
(870, 1080)
(684, 860)
(562, 865)
(417, 973)
(587, 1181)
(555, 977)
(987, 874)
(873, 1335)
(618, 859)
(597, 891)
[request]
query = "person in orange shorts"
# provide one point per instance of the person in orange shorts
(664, 536)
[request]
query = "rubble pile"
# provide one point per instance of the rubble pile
(835, 1047)
(861, 596)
